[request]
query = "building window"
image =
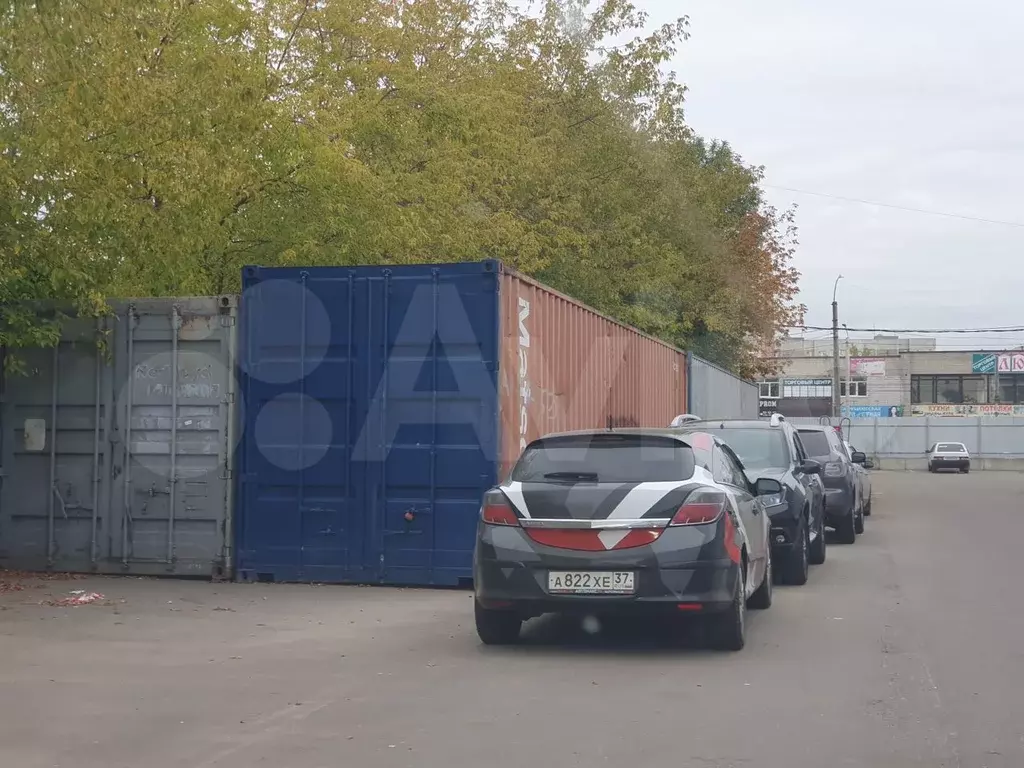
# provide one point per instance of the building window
(1009, 391)
(974, 389)
(963, 389)
(1011, 388)
(922, 389)
(769, 388)
(854, 388)
(947, 390)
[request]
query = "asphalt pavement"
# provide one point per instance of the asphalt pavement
(905, 649)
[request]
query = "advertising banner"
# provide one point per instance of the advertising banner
(867, 366)
(967, 409)
(872, 411)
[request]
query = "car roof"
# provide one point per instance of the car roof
(697, 426)
(675, 434)
(814, 428)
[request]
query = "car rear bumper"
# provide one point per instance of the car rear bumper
(957, 463)
(838, 504)
(510, 571)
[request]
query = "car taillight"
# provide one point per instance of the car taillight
(701, 507)
(835, 469)
(497, 511)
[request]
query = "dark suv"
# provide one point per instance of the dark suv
(773, 449)
(843, 509)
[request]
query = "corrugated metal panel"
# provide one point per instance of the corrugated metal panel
(565, 366)
(371, 418)
(120, 462)
(715, 393)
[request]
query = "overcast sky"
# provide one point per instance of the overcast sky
(913, 103)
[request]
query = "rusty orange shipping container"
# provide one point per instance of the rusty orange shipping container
(565, 366)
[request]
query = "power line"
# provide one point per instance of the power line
(898, 207)
(1014, 329)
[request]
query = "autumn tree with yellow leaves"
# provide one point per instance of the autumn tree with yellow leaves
(155, 148)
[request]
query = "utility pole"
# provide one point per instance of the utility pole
(836, 410)
(849, 371)
(998, 394)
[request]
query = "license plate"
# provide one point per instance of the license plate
(591, 582)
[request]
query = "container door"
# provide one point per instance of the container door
(172, 391)
(432, 417)
(303, 353)
(371, 414)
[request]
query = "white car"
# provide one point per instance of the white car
(949, 456)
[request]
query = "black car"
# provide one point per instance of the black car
(844, 510)
(624, 521)
(772, 448)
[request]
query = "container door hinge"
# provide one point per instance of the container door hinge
(227, 321)
(227, 474)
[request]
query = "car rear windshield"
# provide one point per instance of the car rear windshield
(815, 443)
(757, 448)
(951, 447)
(604, 458)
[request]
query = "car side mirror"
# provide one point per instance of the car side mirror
(810, 467)
(869, 464)
(765, 486)
(858, 457)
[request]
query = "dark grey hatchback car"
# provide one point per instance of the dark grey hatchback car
(624, 521)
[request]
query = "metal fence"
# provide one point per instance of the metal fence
(715, 393)
(118, 460)
(995, 442)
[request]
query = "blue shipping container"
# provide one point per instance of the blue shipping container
(370, 421)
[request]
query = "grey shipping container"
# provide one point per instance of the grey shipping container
(715, 393)
(117, 458)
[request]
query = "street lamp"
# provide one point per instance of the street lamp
(836, 411)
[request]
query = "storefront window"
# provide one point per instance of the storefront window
(947, 389)
(967, 389)
(1011, 388)
(975, 389)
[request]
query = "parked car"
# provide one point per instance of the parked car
(843, 510)
(624, 520)
(949, 456)
(772, 448)
(861, 468)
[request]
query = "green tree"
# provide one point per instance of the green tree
(154, 149)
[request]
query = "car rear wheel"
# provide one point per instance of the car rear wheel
(867, 509)
(796, 566)
(762, 597)
(497, 627)
(966, 470)
(859, 522)
(847, 529)
(728, 630)
(816, 555)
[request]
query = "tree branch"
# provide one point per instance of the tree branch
(291, 37)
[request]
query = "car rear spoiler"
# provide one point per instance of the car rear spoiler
(683, 418)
